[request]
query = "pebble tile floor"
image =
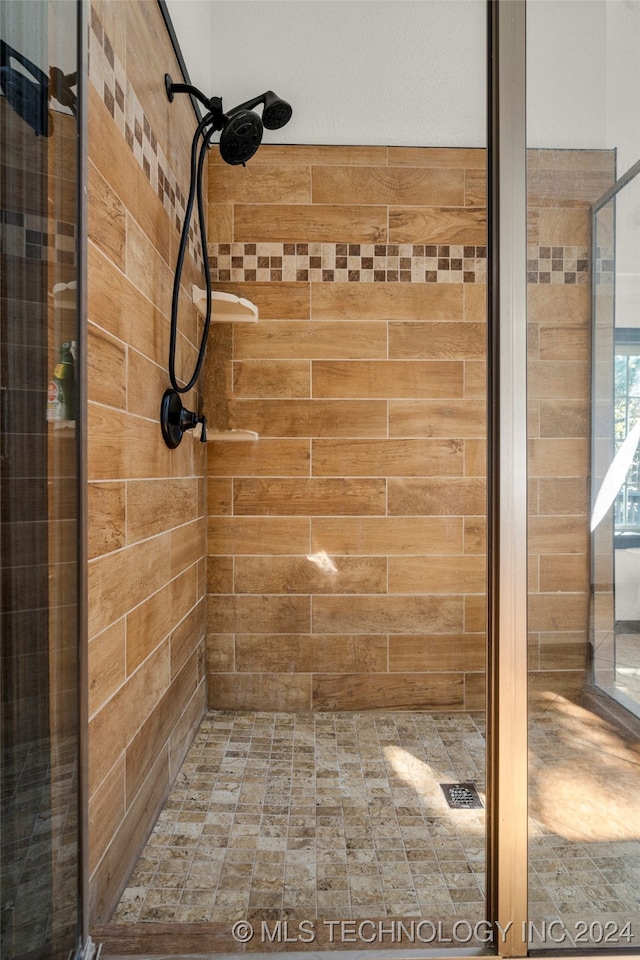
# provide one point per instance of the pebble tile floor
(279, 816)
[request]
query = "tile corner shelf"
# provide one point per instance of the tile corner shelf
(225, 435)
(225, 307)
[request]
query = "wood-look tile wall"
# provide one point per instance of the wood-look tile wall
(146, 503)
(346, 546)
(562, 185)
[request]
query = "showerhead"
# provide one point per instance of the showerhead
(276, 112)
(241, 128)
(240, 137)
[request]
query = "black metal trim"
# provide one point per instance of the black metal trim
(166, 16)
(82, 601)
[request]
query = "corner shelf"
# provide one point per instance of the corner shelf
(225, 435)
(225, 307)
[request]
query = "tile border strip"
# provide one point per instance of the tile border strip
(384, 263)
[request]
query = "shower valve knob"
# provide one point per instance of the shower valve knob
(176, 419)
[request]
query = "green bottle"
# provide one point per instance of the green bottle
(61, 394)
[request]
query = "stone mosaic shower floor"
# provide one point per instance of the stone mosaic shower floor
(341, 816)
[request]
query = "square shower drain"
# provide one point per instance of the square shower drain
(461, 796)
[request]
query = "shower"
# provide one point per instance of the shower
(241, 132)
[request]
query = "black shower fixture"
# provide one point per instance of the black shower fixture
(240, 136)
(240, 128)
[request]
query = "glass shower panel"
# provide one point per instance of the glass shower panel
(584, 784)
(39, 735)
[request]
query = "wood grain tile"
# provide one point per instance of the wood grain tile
(151, 738)
(258, 535)
(275, 301)
(437, 341)
(130, 317)
(563, 651)
(387, 458)
(387, 301)
(107, 669)
(475, 458)
(437, 497)
(312, 497)
(272, 378)
(465, 574)
(261, 458)
(567, 342)
(146, 382)
(188, 637)
(475, 380)
(221, 654)
(308, 654)
(558, 458)
(388, 378)
(566, 187)
(109, 152)
(475, 691)
(274, 154)
(285, 692)
(258, 183)
(558, 303)
(558, 380)
(309, 223)
(219, 496)
(475, 188)
(563, 495)
(261, 614)
(475, 614)
(558, 535)
(150, 622)
(558, 611)
(318, 339)
(564, 227)
(146, 269)
(438, 156)
(446, 225)
(427, 691)
(121, 580)
(106, 366)
(310, 418)
(564, 573)
(188, 545)
(475, 535)
(154, 506)
(111, 728)
(437, 418)
(314, 574)
(106, 510)
(564, 418)
(106, 218)
(124, 446)
(475, 302)
(219, 222)
(106, 811)
(388, 185)
(406, 614)
(436, 652)
(387, 536)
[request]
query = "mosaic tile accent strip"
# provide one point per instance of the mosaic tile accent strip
(383, 263)
(37, 238)
(605, 265)
(108, 75)
(558, 265)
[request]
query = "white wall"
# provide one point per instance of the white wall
(405, 72)
(413, 71)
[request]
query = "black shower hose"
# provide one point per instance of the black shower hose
(195, 191)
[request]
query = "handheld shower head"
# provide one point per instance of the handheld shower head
(240, 137)
(276, 112)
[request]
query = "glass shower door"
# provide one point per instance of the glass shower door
(39, 469)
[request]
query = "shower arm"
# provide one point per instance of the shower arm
(212, 104)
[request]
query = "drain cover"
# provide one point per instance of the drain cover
(461, 796)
